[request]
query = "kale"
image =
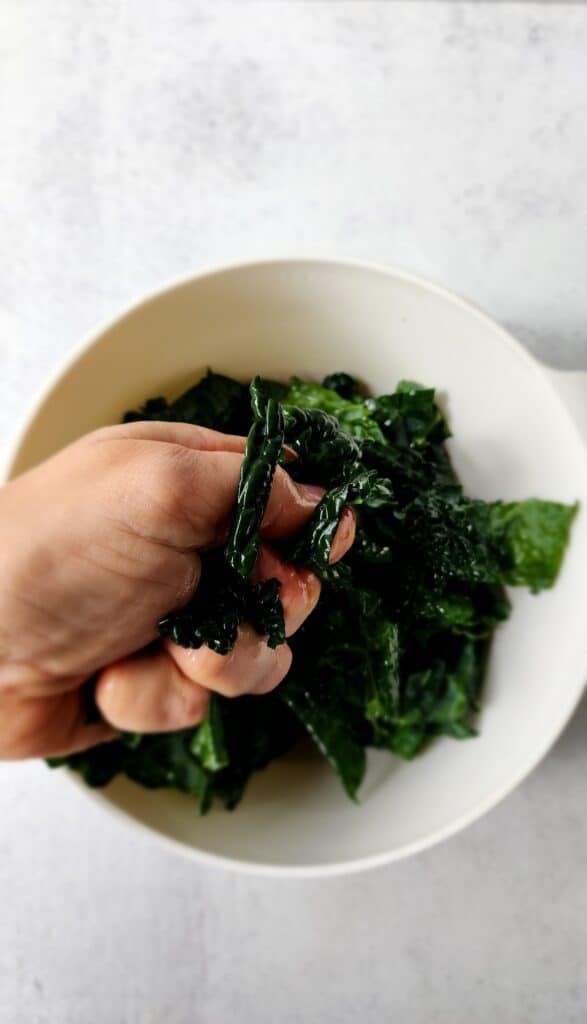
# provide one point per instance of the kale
(331, 729)
(208, 743)
(344, 385)
(312, 548)
(353, 416)
(257, 730)
(395, 653)
(264, 445)
(215, 401)
(221, 602)
(410, 416)
(97, 766)
(529, 540)
(261, 390)
(326, 453)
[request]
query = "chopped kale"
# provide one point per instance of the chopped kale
(395, 653)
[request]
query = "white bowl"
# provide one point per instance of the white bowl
(513, 438)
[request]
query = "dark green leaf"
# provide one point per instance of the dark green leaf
(345, 386)
(410, 416)
(262, 452)
(331, 734)
(221, 602)
(313, 547)
(354, 416)
(261, 391)
(326, 452)
(215, 401)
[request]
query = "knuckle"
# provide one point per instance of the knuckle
(172, 472)
(164, 476)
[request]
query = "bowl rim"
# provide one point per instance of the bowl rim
(92, 338)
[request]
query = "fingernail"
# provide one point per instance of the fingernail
(344, 535)
(311, 492)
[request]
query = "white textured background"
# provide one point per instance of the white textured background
(138, 141)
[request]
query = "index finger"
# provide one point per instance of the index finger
(187, 435)
(205, 485)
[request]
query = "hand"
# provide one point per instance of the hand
(98, 543)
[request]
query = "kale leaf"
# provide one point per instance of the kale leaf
(410, 416)
(208, 744)
(353, 416)
(312, 548)
(217, 402)
(344, 385)
(529, 539)
(264, 445)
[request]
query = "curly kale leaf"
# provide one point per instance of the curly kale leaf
(222, 601)
(458, 538)
(264, 445)
(312, 548)
(327, 454)
(213, 614)
(325, 451)
(261, 390)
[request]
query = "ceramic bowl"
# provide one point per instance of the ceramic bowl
(514, 437)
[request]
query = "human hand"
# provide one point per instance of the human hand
(99, 543)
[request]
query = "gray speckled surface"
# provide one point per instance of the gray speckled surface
(138, 145)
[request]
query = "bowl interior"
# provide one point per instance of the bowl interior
(512, 439)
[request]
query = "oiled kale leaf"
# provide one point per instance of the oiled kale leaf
(263, 448)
